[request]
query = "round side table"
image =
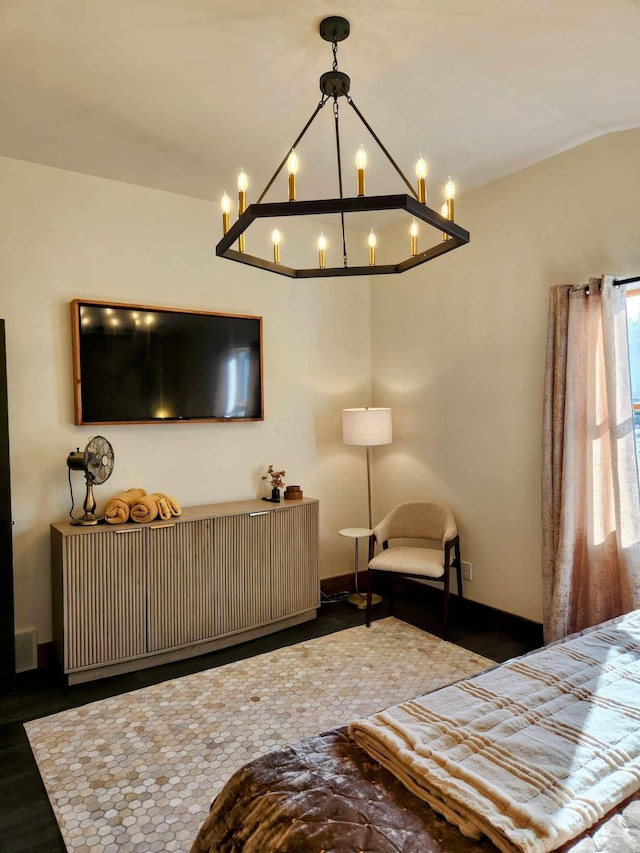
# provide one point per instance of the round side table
(359, 599)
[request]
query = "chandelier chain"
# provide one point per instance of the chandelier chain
(336, 118)
(334, 49)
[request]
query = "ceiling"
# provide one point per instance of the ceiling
(179, 94)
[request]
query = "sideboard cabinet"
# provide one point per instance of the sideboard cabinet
(136, 595)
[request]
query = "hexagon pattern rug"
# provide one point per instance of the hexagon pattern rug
(137, 772)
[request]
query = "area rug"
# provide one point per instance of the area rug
(137, 772)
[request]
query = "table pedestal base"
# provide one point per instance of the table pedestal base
(359, 600)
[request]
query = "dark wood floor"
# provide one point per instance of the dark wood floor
(27, 824)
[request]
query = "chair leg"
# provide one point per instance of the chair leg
(447, 579)
(390, 593)
(458, 564)
(446, 604)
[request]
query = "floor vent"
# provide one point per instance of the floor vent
(26, 650)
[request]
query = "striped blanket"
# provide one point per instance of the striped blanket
(531, 753)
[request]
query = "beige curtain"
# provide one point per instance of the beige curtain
(590, 498)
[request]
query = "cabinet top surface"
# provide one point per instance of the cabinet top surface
(191, 513)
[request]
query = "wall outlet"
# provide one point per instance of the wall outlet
(467, 573)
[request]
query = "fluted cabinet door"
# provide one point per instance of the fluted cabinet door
(242, 570)
(294, 560)
(181, 584)
(104, 597)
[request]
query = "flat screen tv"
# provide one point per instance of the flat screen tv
(140, 364)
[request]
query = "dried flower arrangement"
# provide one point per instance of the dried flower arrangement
(276, 478)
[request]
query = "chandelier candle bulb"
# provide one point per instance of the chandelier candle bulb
(449, 192)
(361, 163)
(225, 204)
(243, 183)
(322, 245)
(421, 174)
(292, 167)
(276, 246)
(413, 231)
(372, 248)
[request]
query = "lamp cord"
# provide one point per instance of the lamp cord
(328, 598)
(71, 493)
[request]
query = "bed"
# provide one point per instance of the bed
(326, 794)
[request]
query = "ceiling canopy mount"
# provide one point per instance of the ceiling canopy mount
(334, 28)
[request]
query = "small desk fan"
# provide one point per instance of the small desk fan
(97, 463)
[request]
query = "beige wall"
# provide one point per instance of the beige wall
(459, 349)
(65, 235)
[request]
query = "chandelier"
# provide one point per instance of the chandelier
(334, 85)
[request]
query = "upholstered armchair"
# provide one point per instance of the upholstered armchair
(423, 520)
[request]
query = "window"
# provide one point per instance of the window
(633, 333)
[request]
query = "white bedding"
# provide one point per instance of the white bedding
(531, 753)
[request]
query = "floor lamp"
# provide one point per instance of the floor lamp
(367, 428)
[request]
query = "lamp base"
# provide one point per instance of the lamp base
(86, 520)
(360, 601)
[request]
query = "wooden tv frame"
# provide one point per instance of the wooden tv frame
(77, 372)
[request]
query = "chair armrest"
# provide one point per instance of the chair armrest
(372, 546)
(450, 534)
(447, 545)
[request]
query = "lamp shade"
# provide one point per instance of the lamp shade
(366, 427)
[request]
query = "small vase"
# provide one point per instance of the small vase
(275, 495)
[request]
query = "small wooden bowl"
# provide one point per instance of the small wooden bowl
(293, 493)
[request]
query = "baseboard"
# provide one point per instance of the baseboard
(45, 655)
(488, 612)
(343, 583)
(481, 612)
